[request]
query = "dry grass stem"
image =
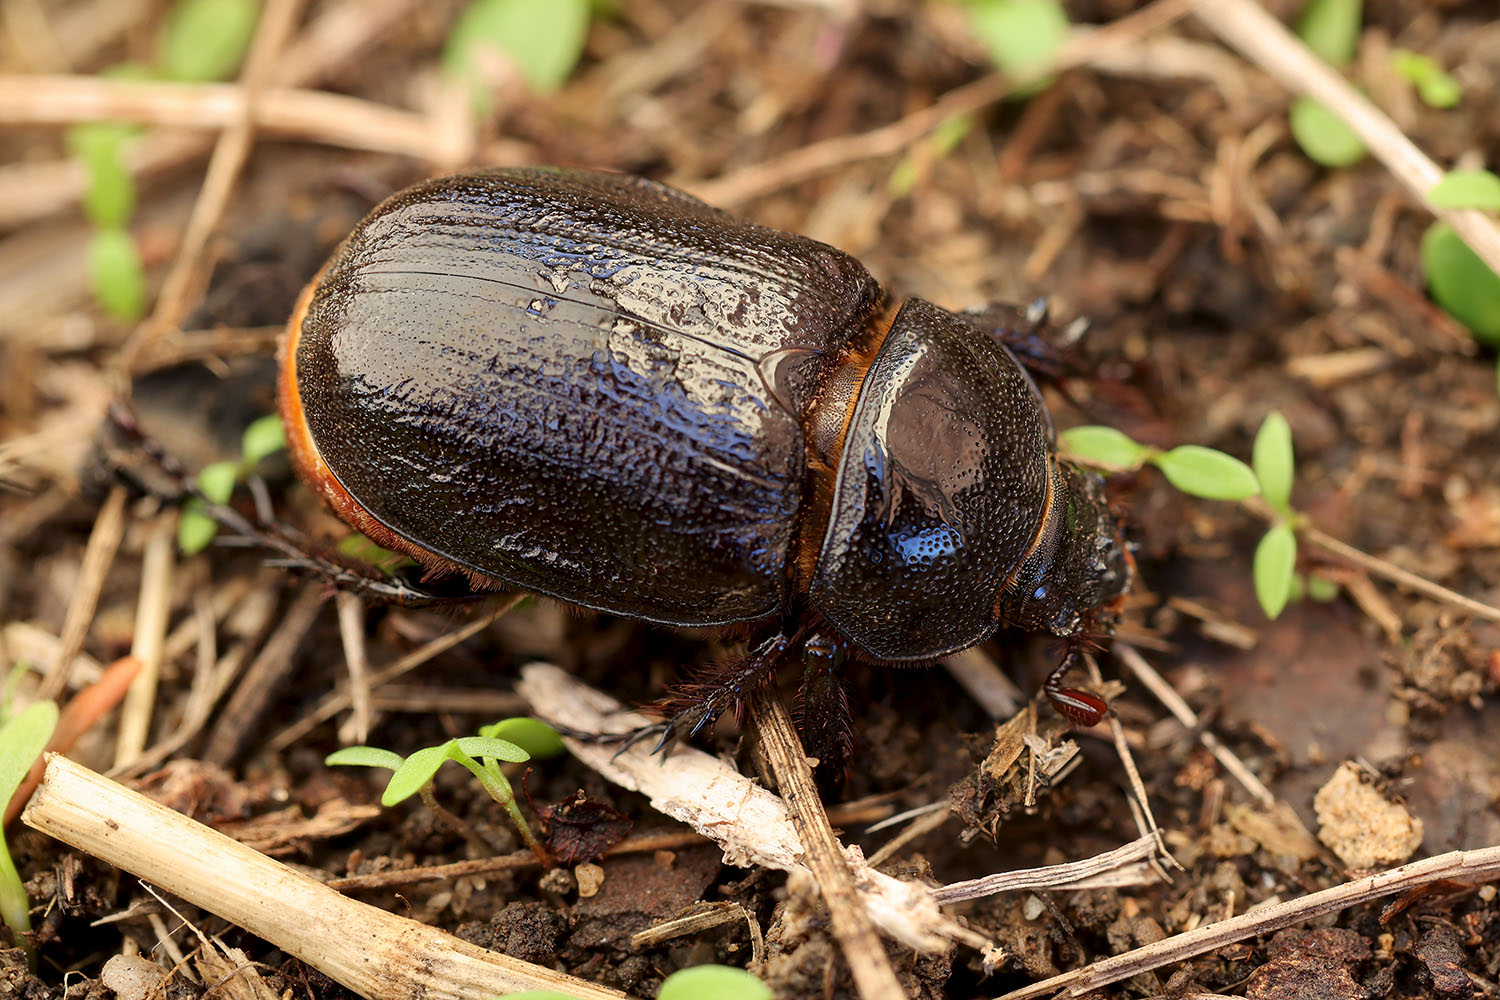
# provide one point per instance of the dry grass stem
(187, 278)
(1183, 713)
(781, 751)
(146, 645)
(1464, 866)
(1376, 566)
(985, 682)
(329, 44)
(701, 917)
(292, 113)
(735, 188)
(374, 953)
(1071, 875)
(351, 615)
(335, 703)
(98, 556)
(270, 666)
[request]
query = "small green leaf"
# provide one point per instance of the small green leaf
(1206, 473)
(90, 141)
(23, 737)
(217, 479)
(363, 756)
(1436, 88)
(119, 280)
(713, 982)
(205, 40)
(195, 529)
(1331, 29)
(109, 199)
(414, 772)
(1273, 461)
(1462, 283)
(533, 736)
(1021, 36)
(1467, 189)
(1323, 136)
(486, 747)
(1321, 589)
(265, 436)
(1104, 446)
(1275, 561)
(544, 38)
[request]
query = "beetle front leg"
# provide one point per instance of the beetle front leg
(823, 718)
(1079, 706)
(697, 704)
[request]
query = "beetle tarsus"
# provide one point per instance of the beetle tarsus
(823, 717)
(696, 705)
(1075, 704)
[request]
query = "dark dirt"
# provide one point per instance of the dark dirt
(1223, 276)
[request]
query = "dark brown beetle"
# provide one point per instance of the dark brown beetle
(600, 389)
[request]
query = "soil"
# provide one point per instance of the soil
(1222, 275)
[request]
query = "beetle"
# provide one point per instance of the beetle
(597, 388)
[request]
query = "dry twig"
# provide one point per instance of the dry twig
(374, 953)
(782, 752)
(1466, 866)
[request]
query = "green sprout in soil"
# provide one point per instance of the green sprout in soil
(22, 737)
(541, 39)
(1213, 475)
(1436, 88)
(1330, 28)
(481, 754)
(1457, 278)
(1022, 37)
(201, 41)
(701, 982)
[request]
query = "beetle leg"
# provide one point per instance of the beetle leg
(697, 705)
(823, 718)
(1082, 708)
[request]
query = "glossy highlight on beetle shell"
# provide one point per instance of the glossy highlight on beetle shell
(600, 389)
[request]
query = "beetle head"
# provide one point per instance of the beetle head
(1074, 579)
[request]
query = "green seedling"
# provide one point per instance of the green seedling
(936, 146)
(1213, 475)
(413, 775)
(543, 39)
(532, 735)
(1436, 88)
(718, 982)
(1197, 471)
(1022, 37)
(206, 40)
(201, 40)
(1330, 28)
(1461, 282)
(196, 528)
(1461, 189)
(701, 982)
(22, 737)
